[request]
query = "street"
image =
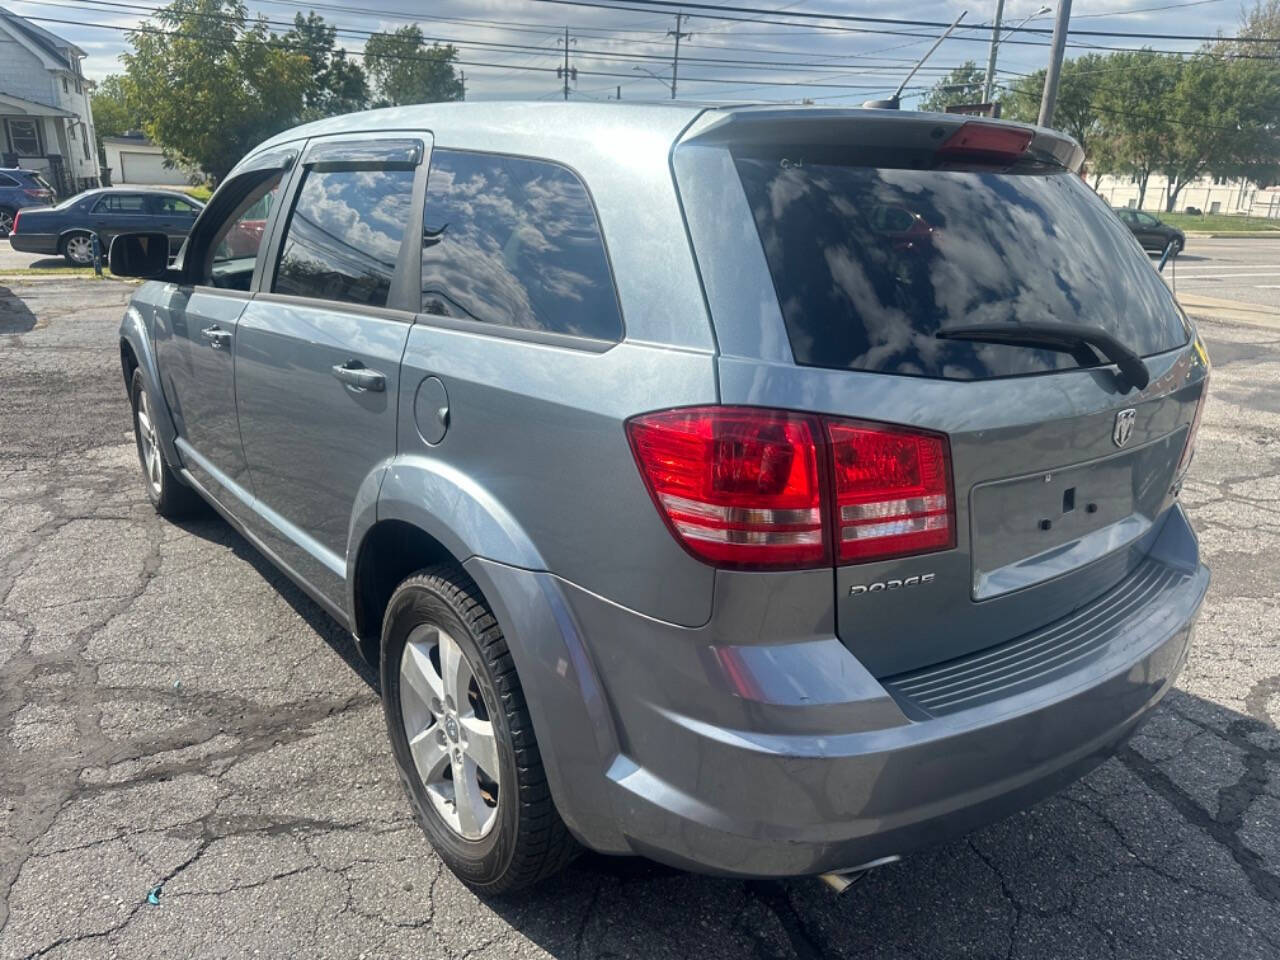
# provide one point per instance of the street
(1232, 269)
(176, 718)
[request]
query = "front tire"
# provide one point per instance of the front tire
(462, 739)
(6, 220)
(170, 496)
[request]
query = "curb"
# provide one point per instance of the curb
(1233, 234)
(1231, 311)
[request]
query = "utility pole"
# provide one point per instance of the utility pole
(675, 63)
(1054, 72)
(565, 71)
(991, 58)
(462, 78)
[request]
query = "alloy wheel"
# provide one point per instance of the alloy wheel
(148, 446)
(80, 248)
(6, 223)
(450, 733)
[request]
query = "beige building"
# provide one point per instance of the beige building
(1208, 194)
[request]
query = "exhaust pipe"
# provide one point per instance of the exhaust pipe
(841, 880)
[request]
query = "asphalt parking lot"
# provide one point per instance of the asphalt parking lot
(176, 717)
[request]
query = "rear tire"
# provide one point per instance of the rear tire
(6, 220)
(170, 496)
(77, 249)
(433, 617)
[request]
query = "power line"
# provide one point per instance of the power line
(520, 49)
(275, 42)
(897, 21)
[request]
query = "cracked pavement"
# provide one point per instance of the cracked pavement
(175, 714)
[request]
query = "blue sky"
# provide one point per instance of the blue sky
(773, 59)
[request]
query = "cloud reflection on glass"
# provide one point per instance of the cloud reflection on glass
(871, 262)
(515, 242)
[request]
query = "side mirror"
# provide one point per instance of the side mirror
(1170, 251)
(143, 255)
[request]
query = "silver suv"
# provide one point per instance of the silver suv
(765, 491)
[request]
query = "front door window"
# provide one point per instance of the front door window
(235, 245)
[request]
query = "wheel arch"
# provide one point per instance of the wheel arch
(414, 512)
(136, 353)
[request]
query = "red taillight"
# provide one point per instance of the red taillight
(16, 217)
(740, 487)
(760, 489)
(892, 491)
(986, 140)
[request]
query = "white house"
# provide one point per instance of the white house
(46, 122)
(133, 159)
(1207, 194)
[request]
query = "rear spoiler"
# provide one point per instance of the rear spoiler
(867, 128)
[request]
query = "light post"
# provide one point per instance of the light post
(989, 83)
(662, 80)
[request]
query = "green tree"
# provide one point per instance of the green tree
(210, 83)
(1132, 102)
(338, 84)
(1075, 112)
(406, 70)
(113, 114)
(961, 85)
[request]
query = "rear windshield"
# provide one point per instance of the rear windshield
(870, 262)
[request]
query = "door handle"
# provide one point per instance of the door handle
(356, 374)
(217, 337)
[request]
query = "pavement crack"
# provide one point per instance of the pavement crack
(1234, 800)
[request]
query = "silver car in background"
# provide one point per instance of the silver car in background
(766, 491)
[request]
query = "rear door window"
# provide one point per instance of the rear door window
(131, 203)
(344, 234)
(515, 242)
(870, 261)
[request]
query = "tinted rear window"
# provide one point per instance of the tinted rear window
(869, 263)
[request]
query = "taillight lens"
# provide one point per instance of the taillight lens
(892, 491)
(740, 487)
(16, 217)
(765, 489)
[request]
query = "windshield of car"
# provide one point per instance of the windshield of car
(871, 261)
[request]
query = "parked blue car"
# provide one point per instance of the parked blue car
(67, 230)
(20, 189)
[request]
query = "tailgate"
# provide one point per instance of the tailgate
(842, 253)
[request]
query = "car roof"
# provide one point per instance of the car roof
(636, 130)
(154, 191)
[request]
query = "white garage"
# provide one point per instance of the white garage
(138, 161)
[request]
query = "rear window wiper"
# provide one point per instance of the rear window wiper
(1064, 337)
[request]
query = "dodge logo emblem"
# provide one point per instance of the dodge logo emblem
(1124, 426)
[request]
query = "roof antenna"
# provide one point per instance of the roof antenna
(895, 101)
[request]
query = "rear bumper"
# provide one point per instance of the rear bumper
(714, 750)
(34, 242)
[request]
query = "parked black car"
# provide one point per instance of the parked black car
(1151, 233)
(68, 228)
(18, 189)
